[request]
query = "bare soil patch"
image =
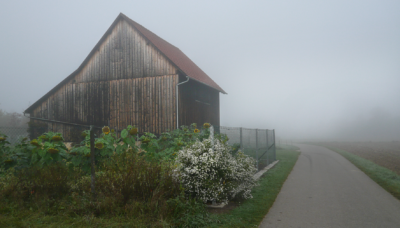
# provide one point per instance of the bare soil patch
(386, 154)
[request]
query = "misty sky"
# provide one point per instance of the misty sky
(309, 69)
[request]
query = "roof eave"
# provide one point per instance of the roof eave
(219, 90)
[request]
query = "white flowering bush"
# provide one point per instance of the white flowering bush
(214, 174)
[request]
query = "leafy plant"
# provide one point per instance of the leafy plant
(79, 156)
(129, 176)
(188, 212)
(51, 181)
(166, 147)
(6, 157)
(20, 154)
(212, 173)
(128, 141)
(48, 148)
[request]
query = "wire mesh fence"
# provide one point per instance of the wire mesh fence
(14, 134)
(73, 133)
(256, 143)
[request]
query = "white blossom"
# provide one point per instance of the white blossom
(214, 174)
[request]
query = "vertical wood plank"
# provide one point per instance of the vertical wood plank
(153, 100)
(168, 105)
(157, 105)
(174, 100)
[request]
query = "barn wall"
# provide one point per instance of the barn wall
(125, 54)
(148, 103)
(198, 104)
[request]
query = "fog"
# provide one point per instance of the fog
(311, 70)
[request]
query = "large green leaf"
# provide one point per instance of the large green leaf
(76, 160)
(42, 152)
(34, 158)
(119, 149)
(124, 133)
(104, 152)
(56, 157)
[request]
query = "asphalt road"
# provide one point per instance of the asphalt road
(326, 190)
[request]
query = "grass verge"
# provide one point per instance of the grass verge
(251, 212)
(386, 178)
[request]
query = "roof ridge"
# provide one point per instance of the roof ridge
(180, 59)
(129, 19)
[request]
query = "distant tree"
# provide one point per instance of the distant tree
(13, 119)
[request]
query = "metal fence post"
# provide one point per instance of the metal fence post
(212, 136)
(257, 147)
(266, 153)
(273, 133)
(212, 146)
(241, 141)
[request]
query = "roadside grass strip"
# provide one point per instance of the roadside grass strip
(252, 211)
(386, 178)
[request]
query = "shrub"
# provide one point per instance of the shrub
(128, 183)
(36, 183)
(214, 173)
(188, 212)
(48, 149)
(17, 156)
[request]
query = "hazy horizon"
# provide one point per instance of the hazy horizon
(315, 70)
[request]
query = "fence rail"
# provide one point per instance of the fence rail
(256, 143)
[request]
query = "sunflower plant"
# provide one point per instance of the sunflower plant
(168, 144)
(47, 149)
(3, 143)
(103, 148)
(128, 138)
(6, 159)
(17, 156)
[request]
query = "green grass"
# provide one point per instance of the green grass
(386, 178)
(20, 217)
(29, 219)
(251, 212)
(287, 147)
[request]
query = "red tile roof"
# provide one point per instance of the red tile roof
(175, 55)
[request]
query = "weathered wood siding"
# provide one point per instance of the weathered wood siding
(127, 81)
(148, 103)
(198, 104)
(125, 54)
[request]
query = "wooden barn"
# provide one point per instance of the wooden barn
(131, 77)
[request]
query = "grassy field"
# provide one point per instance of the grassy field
(249, 214)
(386, 154)
(385, 177)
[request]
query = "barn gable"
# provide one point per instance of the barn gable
(124, 54)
